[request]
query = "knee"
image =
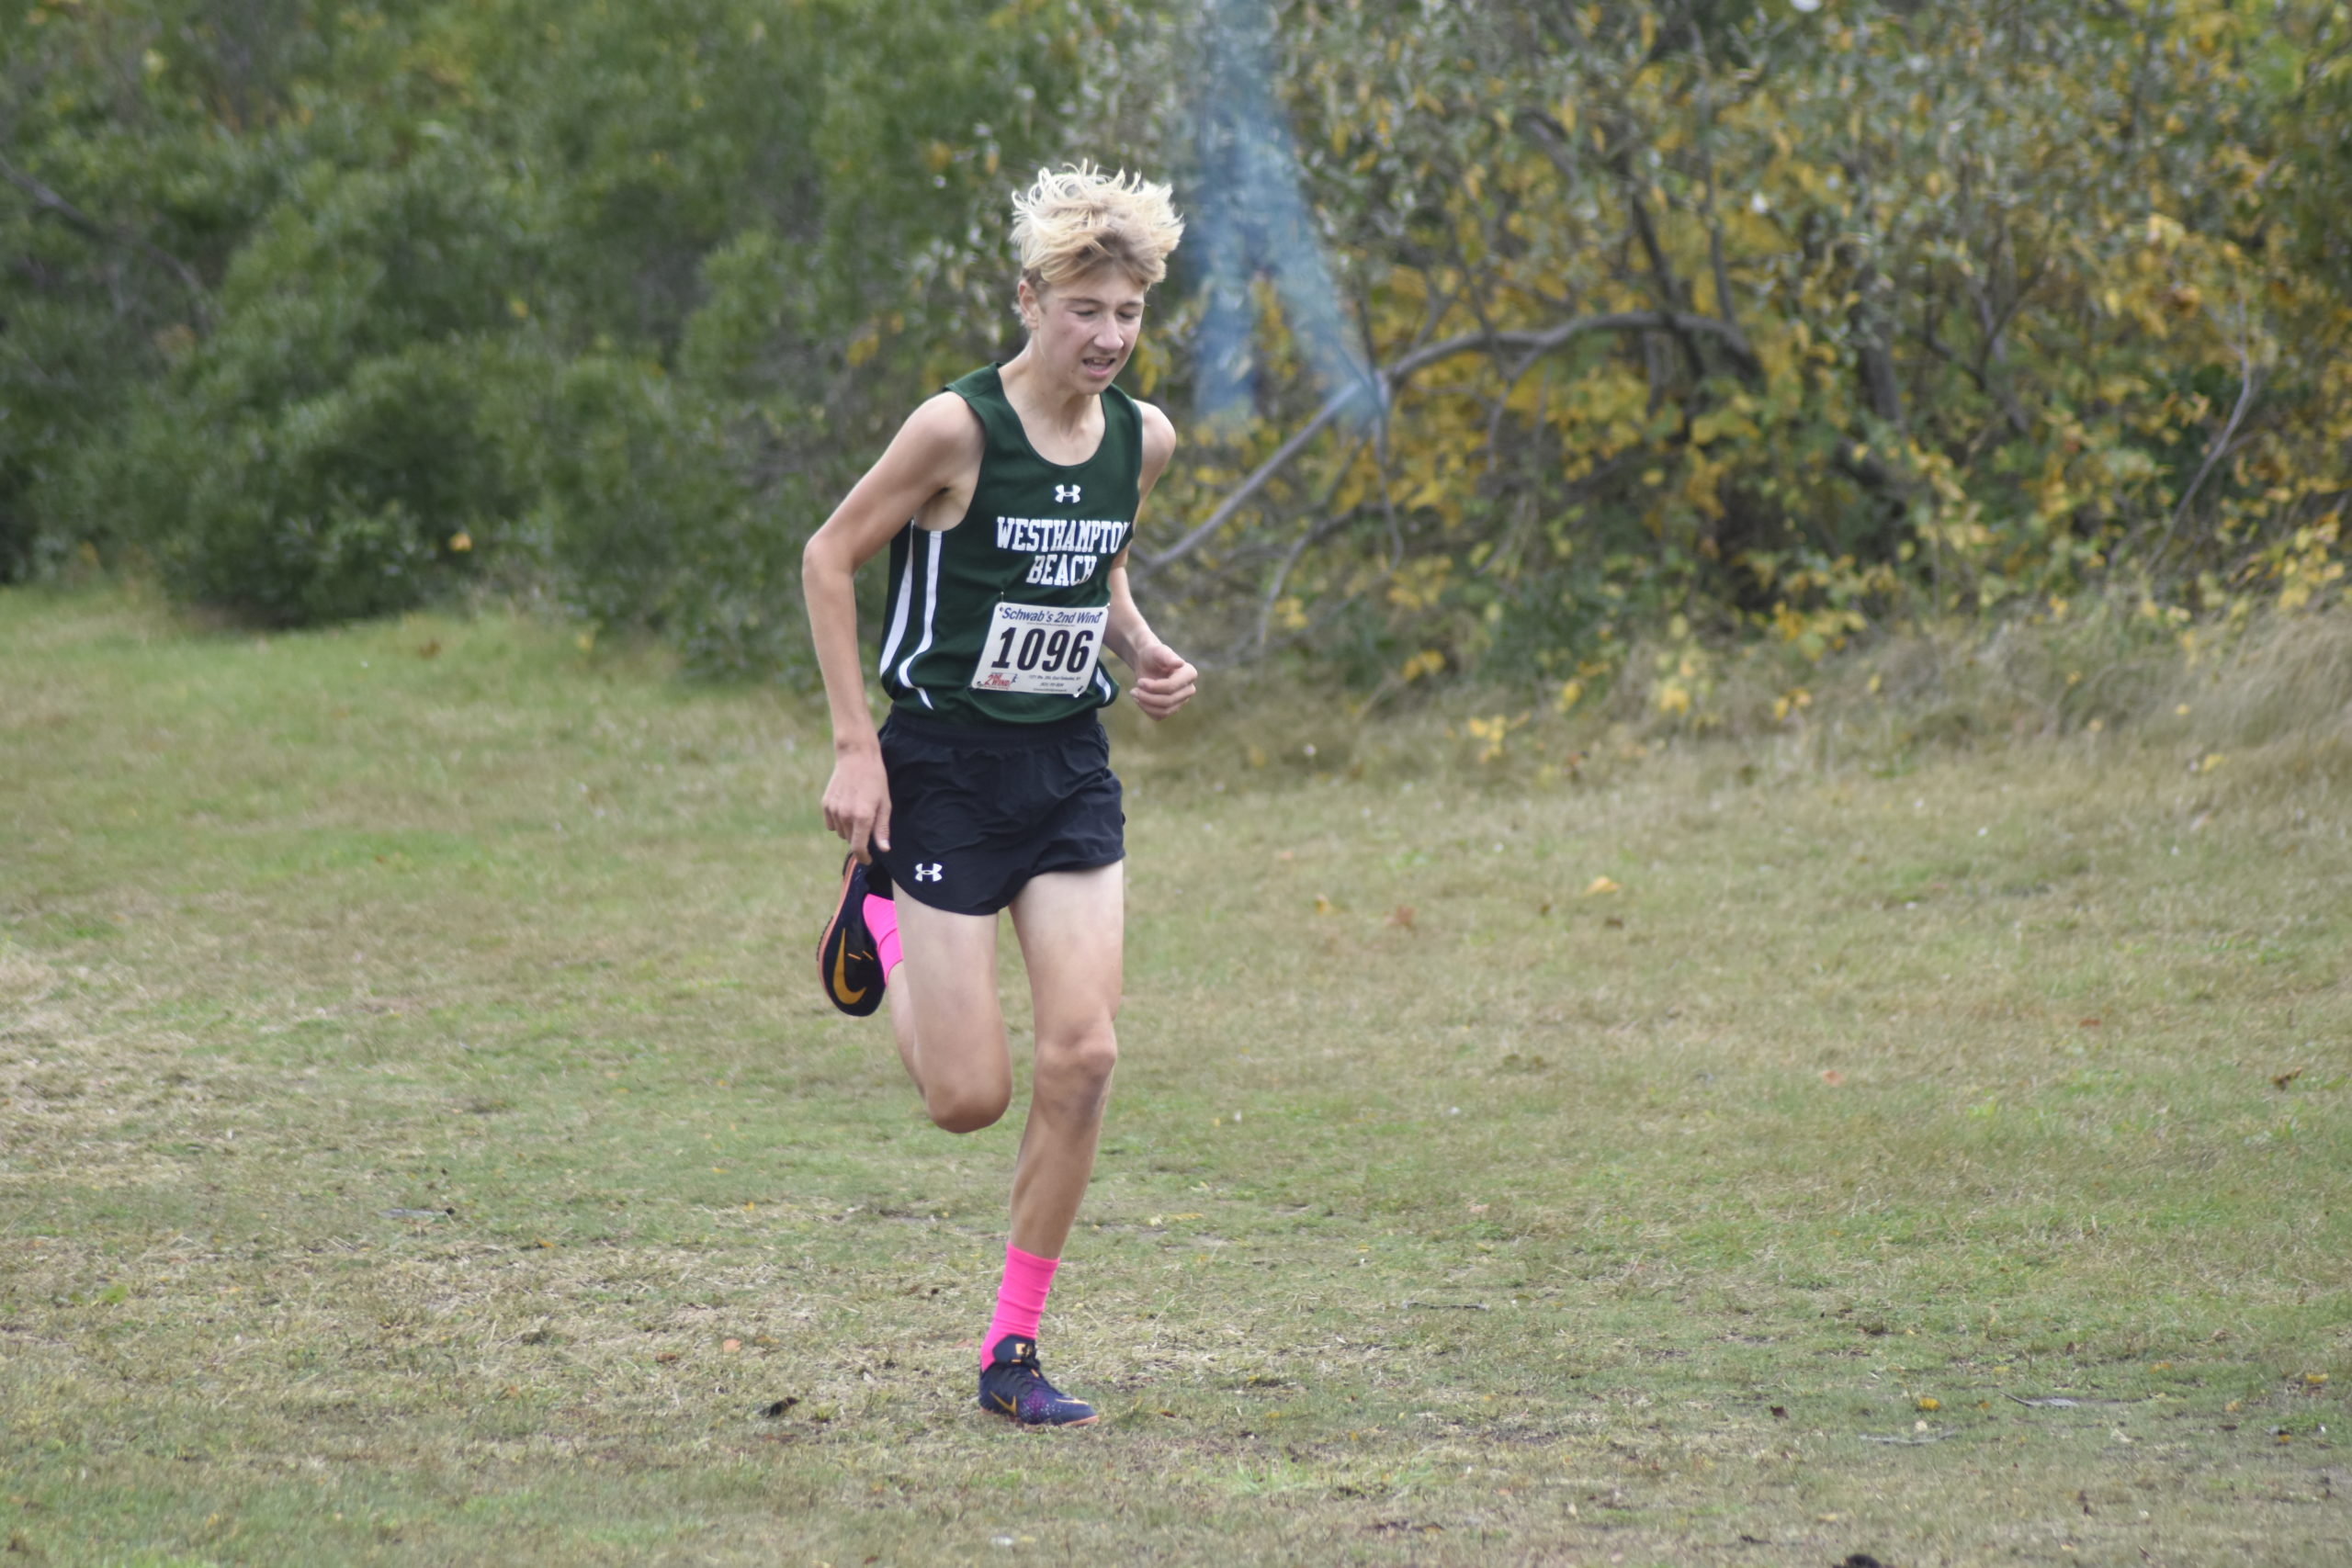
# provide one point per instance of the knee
(1080, 1061)
(966, 1110)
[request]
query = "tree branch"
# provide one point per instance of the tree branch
(1674, 294)
(2249, 385)
(2012, 413)
(1873, 348)
(47, 200)
(1716, 262)
(1334, 407)
(1388, 378)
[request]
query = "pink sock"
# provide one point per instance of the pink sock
(882, 919)
(1021, 1299)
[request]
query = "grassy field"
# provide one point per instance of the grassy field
(421, 1139)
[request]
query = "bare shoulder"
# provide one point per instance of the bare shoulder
(944, 428)
(926, 473)
(1159, 438)
(935, 455)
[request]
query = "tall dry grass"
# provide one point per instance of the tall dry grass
(2269, 701)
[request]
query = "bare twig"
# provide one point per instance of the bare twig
(1716, 262)
(1993, 323)
(1873, 351)
(2249, 385)
(2011, 412)
(1551, 137)
(49, 200)
(1304, 543)
(1386, 380)
(1334, 407)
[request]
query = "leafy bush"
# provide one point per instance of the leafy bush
(331, 450)
(629, 470)
(618, 295)
(1697, 324)
(1790, 324)
(362, 500)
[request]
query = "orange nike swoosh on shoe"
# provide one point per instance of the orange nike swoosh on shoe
(847, 941)
(842, 988)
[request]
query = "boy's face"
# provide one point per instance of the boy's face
(1083, 330)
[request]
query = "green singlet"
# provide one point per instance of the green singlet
(998, 620)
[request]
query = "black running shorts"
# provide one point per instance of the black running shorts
(975, 812)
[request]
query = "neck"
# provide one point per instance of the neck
(1064, 407)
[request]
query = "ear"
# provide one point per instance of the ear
(1027, 305)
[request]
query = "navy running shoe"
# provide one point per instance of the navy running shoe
(849, 961)
(1012, 1385)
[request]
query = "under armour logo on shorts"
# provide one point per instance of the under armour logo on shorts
(931, 873)
(1065, 495)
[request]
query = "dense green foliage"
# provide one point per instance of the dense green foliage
(325, 309)
(1696, 319)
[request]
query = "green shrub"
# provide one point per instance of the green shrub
(341, 446)
(626, 465)
(646, 510)
(363, 501)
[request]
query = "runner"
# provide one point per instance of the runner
(1008, 504)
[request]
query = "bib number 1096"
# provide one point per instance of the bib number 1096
(1039, 651)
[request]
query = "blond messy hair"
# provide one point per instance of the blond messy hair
(1075, 219)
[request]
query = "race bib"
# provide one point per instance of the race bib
(1045, 652)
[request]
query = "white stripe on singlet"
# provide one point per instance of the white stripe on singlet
(899, 616)
(930, 609)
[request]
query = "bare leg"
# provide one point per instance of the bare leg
(1070, 926)
(899, 998)
(944, 1013)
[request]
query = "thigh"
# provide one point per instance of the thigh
(1072, 930)
(950, 967)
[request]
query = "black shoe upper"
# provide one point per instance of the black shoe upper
(849, 961)
(1010, 1384)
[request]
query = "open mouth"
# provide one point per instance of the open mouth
(1099, 365)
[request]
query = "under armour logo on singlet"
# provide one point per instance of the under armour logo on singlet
(931, 873)
(1065, 495)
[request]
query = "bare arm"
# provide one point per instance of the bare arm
(1164, 680)
(937, 450)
